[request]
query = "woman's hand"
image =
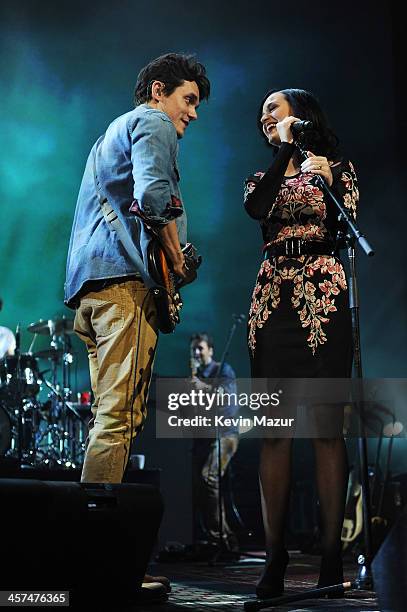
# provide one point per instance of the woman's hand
(283, 129)
(317, 164)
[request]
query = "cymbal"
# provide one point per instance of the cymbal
(52, 327)
(51, 353)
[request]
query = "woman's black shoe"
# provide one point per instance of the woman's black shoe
(331, 572)
(271, 583)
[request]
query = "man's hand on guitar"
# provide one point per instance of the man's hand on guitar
(189, 276)
(192, 263)
(185, 269)
(171, 267)
(183, 262)
(178, 266)
(168, 235)
(199, 384)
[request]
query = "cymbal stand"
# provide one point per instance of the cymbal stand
(68, 457)
(19, 397)
(69, 425)
(55, 433)
(57, 399)
(53, 443)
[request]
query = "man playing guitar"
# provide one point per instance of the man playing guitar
(133, 169)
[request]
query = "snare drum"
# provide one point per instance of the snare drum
(23, 379)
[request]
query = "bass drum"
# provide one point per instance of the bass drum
(23, 379)
(5, 431)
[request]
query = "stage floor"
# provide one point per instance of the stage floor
(225, 587)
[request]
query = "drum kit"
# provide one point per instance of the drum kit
(51, 432)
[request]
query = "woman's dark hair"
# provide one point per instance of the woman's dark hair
(172, 69)
(321, 140)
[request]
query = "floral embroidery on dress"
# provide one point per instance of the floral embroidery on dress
(351, 196)
(300, 210)
(250, 184)
(313, 306)
(299, 196)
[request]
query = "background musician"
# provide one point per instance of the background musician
(205, 453)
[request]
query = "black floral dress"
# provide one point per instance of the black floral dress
(299, 322)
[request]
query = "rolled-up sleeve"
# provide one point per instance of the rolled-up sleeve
(153, 155)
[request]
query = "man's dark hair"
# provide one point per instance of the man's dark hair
(202, 337)
(304, 105)
(172, 69)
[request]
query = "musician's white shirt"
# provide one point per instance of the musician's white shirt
(7, 342)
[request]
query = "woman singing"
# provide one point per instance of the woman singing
(299, 322)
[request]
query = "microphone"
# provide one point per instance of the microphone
(301, 126)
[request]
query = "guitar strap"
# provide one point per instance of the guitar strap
(160, 293)
(117, 226)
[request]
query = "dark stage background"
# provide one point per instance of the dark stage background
(68, 69)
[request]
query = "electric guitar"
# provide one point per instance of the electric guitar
(353, 519)
(166, 293)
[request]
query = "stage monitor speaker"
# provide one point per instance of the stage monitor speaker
(389, 568)
(94, 540)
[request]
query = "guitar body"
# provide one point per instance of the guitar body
(353, 519)
(382, 508)
(166, 292)
(166, 296)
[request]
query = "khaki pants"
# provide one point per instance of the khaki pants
(207, 486)
(118, 325)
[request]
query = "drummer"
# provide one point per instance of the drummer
(7, 339)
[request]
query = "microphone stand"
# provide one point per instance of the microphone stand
(365, 580)
(19, 395)
(237, 319)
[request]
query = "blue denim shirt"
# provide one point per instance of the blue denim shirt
(227, 379)
(136, 166)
